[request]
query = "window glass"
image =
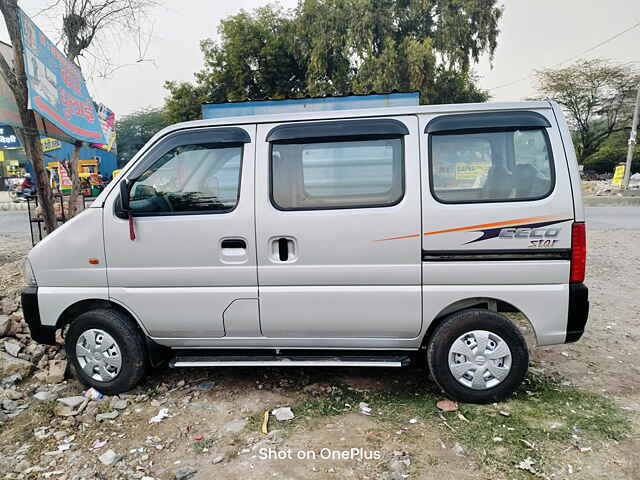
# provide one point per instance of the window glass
(362, 173)
(190, 178)
(491, 166)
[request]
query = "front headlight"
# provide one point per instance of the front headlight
(27, 273)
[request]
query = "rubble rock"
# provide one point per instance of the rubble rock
(55, 372)
(107, 416)
(11, 380)
(119, 404)
(12, 394)
(9, 405)
(72, 402)
(459, 450)
(64, 411)
(45, 396)
(10, 365)
(185, 473)
(35, 352)
(110, 457)
(8, 305)
(4, 325)
(283, 414)
(12, 348)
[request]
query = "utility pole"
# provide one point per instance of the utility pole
(632, 142)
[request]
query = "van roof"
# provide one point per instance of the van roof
(357, 113)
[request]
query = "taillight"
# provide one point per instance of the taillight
(578, 252)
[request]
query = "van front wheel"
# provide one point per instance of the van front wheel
(106, 351)
(477, 356)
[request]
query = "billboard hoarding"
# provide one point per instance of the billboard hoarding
(57, 90)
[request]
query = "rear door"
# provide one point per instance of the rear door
(191, 266)
(497, 202)
(329, 194)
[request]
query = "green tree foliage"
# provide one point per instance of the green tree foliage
(336, 47)
(611, 153)
(134, 130)
(597, 96)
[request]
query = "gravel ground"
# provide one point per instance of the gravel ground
(212, 429)
(13, 246)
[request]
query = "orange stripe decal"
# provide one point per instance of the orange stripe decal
(518, 221)
(505, 223)
(399, 238)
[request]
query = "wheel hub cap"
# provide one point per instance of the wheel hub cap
(99, 355)
(480, 359)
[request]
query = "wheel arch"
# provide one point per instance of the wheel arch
(486, 303)
(156, 353)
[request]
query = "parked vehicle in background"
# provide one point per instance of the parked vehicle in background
(335, 238)
(23, 190)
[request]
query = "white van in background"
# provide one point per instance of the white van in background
(341, 238)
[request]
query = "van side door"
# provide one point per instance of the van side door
(328, 196)
(193, 254)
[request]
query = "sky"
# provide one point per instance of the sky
(535, 34)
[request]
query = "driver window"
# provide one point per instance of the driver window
(190, 178)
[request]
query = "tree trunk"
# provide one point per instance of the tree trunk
(33, 149)
(31, 135)
(72, 208)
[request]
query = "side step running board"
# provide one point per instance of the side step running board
(288, 361)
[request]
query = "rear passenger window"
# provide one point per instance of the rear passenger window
(512, 165)
(340, 174)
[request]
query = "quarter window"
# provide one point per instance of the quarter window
(190, 178)
(340, 174)
(492, 166)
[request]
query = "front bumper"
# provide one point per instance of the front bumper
(578, 311)
(40, 333)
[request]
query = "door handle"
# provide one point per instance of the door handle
(233, 243)
(283, 250)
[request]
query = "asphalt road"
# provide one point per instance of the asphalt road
(598, 218)
(14, 222)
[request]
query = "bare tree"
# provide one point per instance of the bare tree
(597, 96)
(16, 78)
(83, 22)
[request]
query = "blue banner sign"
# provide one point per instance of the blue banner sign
(8, 138)
(302, 105)
(56, 88)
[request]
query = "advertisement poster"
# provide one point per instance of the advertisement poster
(8, 138)
(108, 125)
(49, 144)
(56, 88)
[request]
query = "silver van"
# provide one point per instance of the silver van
(365, 237)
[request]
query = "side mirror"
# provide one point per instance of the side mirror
(124, 195)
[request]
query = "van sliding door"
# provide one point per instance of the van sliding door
(330, 197)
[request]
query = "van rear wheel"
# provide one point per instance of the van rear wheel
(477, 356)
(106, 351)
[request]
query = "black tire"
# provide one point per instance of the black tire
(466, 321)
(129, 340)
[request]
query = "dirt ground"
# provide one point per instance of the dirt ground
(567, 429)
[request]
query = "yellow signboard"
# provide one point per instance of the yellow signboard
(49, 144)
(471, 170)
(618, 176)
(1, 156)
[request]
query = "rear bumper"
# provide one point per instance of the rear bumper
(578, 311)
(40, 333)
